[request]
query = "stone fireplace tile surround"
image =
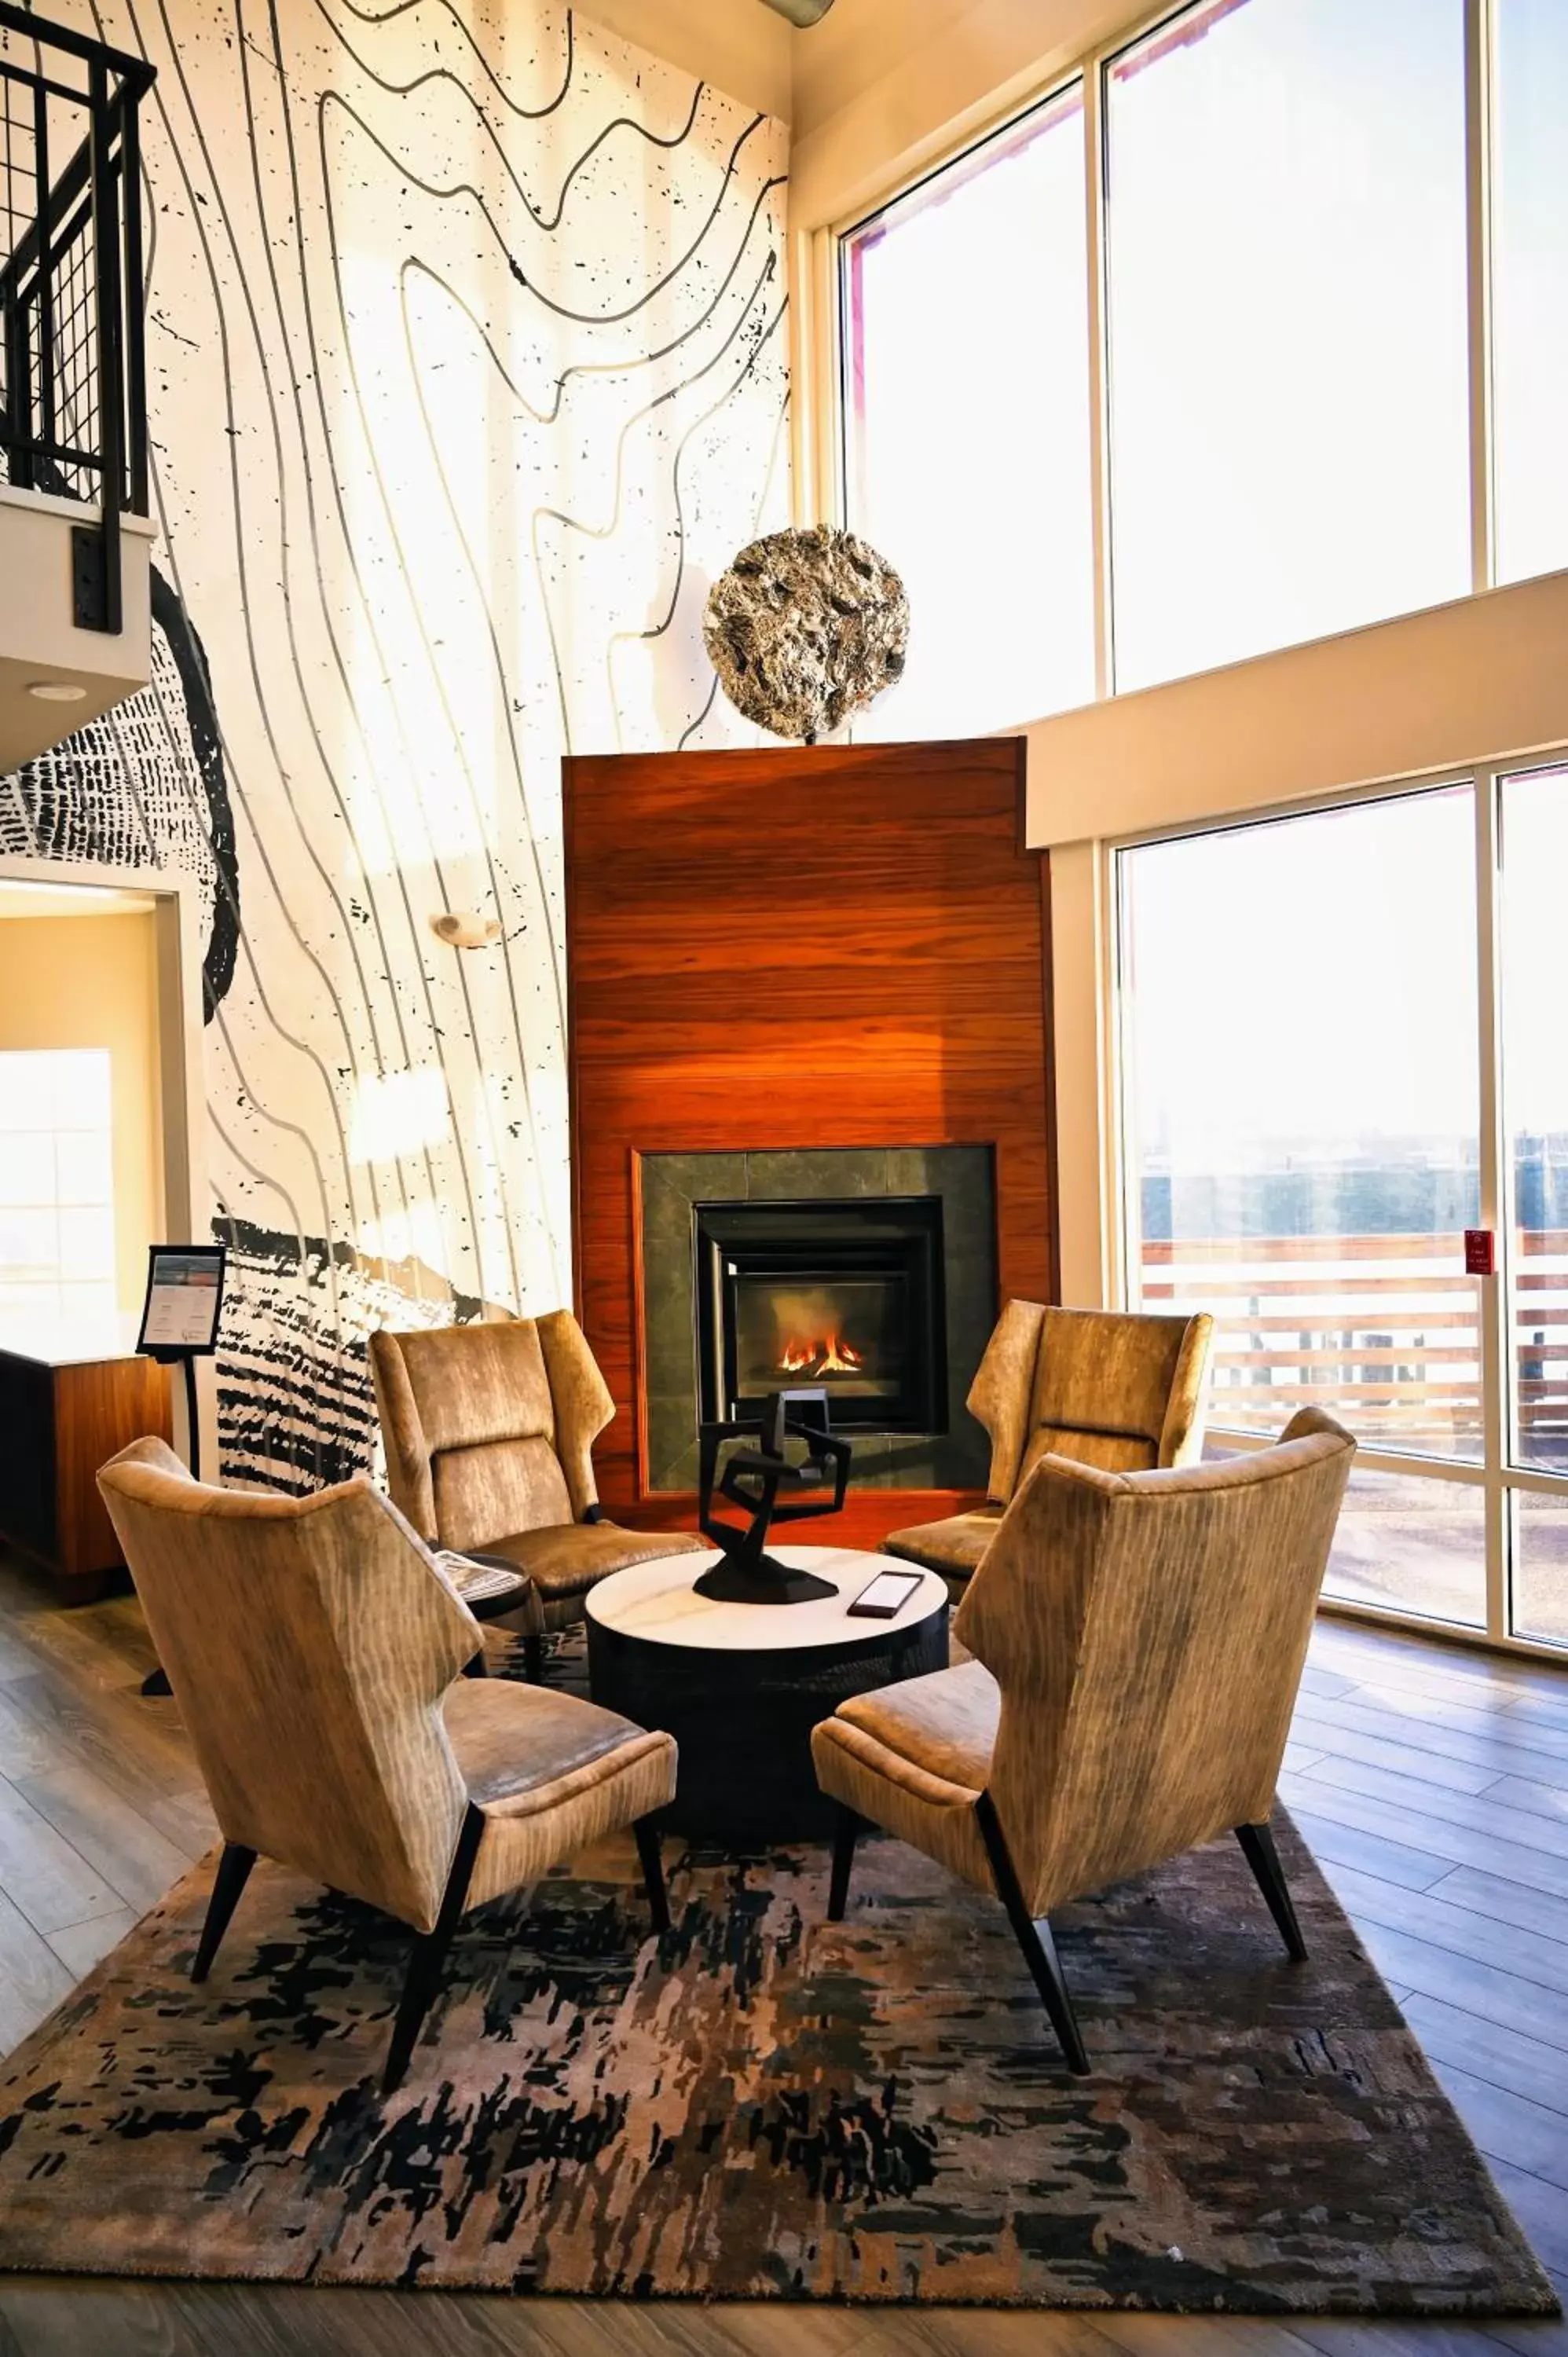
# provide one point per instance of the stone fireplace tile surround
(963, 1177)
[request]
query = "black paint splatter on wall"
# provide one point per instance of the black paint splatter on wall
(467, 374)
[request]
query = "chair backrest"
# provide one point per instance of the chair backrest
(489, 1429)
(309, 1642)
(1122, 1393)
(1147, 1631)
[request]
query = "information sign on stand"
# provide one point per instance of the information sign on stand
(180, 1321)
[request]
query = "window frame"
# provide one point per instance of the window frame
(841, 407)
(824, 342)
(49, 1290)
(1290, 779)
(1497, 1478)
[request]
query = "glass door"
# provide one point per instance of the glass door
(1341, 1045)
(1533, 835)
(1301, 1142)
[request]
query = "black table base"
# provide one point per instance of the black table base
(743, 1720)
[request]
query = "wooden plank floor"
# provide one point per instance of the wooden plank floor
(1432, 1784)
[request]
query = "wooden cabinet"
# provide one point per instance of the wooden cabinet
(64, 1410)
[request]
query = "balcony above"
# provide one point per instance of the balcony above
(74, 539)
(41, 645)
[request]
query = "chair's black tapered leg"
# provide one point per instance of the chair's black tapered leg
(846, 1833)
(430, 1953)
(649, 1851)
(1258, 1849)
(1039, 1949)
(533, 1659)
(233, 1873)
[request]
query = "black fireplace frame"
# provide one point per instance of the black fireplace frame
(816, 1241)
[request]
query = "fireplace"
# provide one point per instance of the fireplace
(872, 1270)
(846, 1294)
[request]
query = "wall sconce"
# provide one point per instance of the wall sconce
(464, 929)
(800, 12)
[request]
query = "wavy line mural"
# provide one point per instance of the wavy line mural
(467, 372)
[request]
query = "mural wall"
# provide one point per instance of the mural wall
(467, 369)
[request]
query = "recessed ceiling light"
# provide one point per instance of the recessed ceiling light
(57, 691)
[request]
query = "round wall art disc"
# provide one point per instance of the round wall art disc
(805, 629)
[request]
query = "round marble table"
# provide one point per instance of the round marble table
(740, 1687)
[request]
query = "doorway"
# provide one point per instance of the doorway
(100, 1132)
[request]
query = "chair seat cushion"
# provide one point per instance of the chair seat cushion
(944, 1725)
(914, 1758)
(567, 1558)
(512, 1739)
(551, 1776)
(953, 1547)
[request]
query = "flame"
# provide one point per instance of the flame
(828, 1355)
(838, 1358)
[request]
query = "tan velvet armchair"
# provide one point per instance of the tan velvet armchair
(489, 1431)
(1122, 1393)
(315, 1652)
(1138, 1639)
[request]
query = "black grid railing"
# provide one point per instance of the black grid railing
(72, 362)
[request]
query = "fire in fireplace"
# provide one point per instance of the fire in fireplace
(844, 1292)
(827, 1353)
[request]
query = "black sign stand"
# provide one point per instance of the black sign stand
(174, 1271)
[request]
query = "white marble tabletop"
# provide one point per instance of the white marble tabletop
(656, 1601)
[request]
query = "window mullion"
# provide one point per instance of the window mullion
(1095, 183)
(1496, 1291)
(1479, 125)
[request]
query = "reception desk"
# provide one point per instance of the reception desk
(69, 1397)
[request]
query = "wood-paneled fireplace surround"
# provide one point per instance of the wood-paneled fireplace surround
(802, 974)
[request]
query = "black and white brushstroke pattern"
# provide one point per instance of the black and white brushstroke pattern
(468, 367)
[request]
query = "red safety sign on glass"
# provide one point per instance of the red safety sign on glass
(1480, 1253)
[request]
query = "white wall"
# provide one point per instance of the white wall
(1482, 679)
(467, 376)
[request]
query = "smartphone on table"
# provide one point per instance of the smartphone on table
(886, 1595)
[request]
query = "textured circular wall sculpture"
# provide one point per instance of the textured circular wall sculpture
(806, 628)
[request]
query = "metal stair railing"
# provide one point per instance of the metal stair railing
(73, 402)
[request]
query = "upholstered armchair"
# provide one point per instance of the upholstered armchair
(1124, 1394)
(1137, 1643)
(313, 1647)
(488, 1432)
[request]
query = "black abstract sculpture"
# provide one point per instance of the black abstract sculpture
(752, 1478)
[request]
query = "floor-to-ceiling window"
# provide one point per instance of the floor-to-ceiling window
(1530, 284)
(968, 427)
(1286, 288)
(1253, 332)
(1339, 1051)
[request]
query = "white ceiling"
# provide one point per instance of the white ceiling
(27, 899)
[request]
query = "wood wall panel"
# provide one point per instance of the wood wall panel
(799, 947)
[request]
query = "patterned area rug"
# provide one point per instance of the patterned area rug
(763, 2103)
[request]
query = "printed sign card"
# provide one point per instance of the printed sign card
(185, 1300)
